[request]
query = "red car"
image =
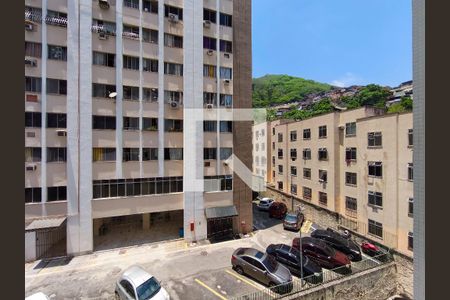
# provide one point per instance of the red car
(322, 254)
(277, 210)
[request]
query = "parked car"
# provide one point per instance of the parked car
(290, 258)
(293, 221)
(322, 254)
(136, 283)
(336, 241)
(262, 267)
(265, 203)
(277, 210)
(38, 296)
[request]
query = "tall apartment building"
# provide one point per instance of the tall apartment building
(357, 163)
(116, 136)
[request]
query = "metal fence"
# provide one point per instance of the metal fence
(297, 285)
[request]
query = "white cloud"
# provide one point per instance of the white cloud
(347, 80)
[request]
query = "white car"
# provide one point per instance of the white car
(37, 296)
(265, 203)
(136, 284)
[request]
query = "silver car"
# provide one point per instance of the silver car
(262, 267)
(265, 203)
(135, 283)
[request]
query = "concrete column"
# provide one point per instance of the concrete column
(146, 221)
(97, 224)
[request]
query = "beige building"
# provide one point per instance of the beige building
(357, 163)
(117, 137)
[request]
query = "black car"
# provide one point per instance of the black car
(336, 241)
(290, 257)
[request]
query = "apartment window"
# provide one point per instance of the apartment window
(273, 145)
(149, 124)
(209, 153)
(56, 18)
(130, 62)
(55, 120)
(323, 176)
(33, 84)
(410, 207)
(350, 154)
(226, 73)
(131, 3)
(33, 195)
(130, 154)
(293, 135)
(172, 125)
(102, 90)
(56, 154)
(104, 59)
(323, 198)
(33, 119)
(172, 96)
(226, 126)
(104, 154)
(280, 137)
(375, 198)
(209, 98)
(226, 46)
(173, 153)
(293, 189)
(173, 69)
(209, 71)
(374, 139)
(150, 65)
(410, 241)
(375, 228)
(410, 172)
(350, 178)
(33, 13)
(218, 183)
(103, 122)
(225, 153)
(209, 43)
(150, 6)
(273, 131)
(280, 169)
(323, 154)
(375, 169)
(273, 160)
(150, 36)
(306, 154)
(56, 86)
(104, 26)
(174, 41)
(322, 131)
(173, 10)
(130, 31)
(293, 154)
(130, 123)
(149, 154)
(307, 173)
(57, 52)
(225, 20)
(33, 154)
(257, 147)
(351, 204)
(410, 138)
(33, 49)
(280, 185)
(149, 94)
(350, 129)
(226, 100)
(307, 193)
(209, 15)
(307, 134)
(209, 126)
(130, 93)
(280, 153)
(293, 170)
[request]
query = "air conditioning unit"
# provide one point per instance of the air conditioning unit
(174, 104)
(29, 26)
(210, 52)
(226, 81)
(206, 23)
(31, 167)
(207, 164)
(209, 106)
(30, 62)
(31, 98)
(31, 134)
(103, 4)
(61, 132)
(102, 35)
(173, 18)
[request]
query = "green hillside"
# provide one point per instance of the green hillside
(279, 89)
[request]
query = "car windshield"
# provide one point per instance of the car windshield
(148, 289)
(270, 263)
(291, 218)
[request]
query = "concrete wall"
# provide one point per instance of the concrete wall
(30, 246)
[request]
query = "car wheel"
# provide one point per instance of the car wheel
(240, 270)
(351, 257)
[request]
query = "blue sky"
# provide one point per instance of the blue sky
(341, 42)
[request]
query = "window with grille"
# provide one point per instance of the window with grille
(57, 52)
(307, 173)
(323, 198)
(374, 139)
(293, 154)
(174, 41)
(130, 62)
(350, 178)
(375, 228)
(350, 129)
(375, 169)
(150, 36)
(293, 135)
(33, 49)
(307, 154)
(307, 193)
(375, 198)
(350, 154)
(56, 154)
(323, 154)
(280, 169)
(280, 153)
(322, 132)
(351, 204)
(306, 134)
(410, 207)
(410, 172)
(280, 137)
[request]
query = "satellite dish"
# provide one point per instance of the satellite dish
(112, 95)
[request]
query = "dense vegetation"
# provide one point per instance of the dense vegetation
(406, 104)
(371, 95)
(279, 89)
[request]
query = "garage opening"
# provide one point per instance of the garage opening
(220, 223)
(138, 229)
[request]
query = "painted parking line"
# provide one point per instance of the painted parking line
(253, 284)
(210, 289)
(306, 226)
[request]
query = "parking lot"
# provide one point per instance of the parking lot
(198, 272)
